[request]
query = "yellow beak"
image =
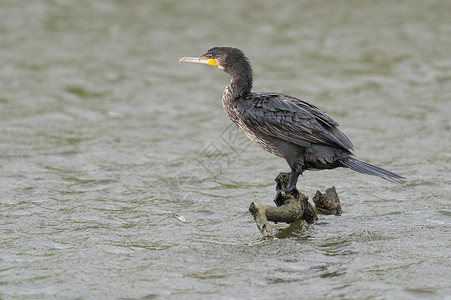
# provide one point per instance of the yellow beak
(199, 60)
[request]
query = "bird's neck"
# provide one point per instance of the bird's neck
(240, 84)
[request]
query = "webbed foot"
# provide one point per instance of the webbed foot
(284, 186)
(280, 180)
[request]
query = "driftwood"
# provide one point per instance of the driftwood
(328, 203)
(293, 207)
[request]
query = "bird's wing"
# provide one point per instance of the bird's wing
(291, 119)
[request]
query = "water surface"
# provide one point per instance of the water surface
(122, 177)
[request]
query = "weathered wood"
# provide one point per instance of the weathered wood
(328, 203)
(291, 207)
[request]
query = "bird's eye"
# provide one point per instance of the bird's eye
(209, 56)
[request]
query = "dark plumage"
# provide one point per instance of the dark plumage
(284, 125)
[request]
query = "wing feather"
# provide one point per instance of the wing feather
(291, 119)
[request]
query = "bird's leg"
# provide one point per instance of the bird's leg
(286, 185)
(294, 175)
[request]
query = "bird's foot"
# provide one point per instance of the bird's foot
(283, 193)
(282, 180)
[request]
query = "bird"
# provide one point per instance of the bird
(289, 127)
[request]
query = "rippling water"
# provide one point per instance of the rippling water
(121, 176)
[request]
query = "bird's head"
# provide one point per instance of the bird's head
(225, 58)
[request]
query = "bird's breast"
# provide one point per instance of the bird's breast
(230, 107)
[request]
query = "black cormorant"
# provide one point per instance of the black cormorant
(284, 125)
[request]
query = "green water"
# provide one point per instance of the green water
(122, 177)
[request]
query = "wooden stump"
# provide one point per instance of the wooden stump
(294, 206)
(291, 207)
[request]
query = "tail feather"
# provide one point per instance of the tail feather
(369, 169)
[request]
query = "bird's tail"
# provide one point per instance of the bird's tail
(366, 168)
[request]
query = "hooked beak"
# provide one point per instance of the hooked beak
(199, 60)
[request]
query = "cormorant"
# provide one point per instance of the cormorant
(284, 125)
